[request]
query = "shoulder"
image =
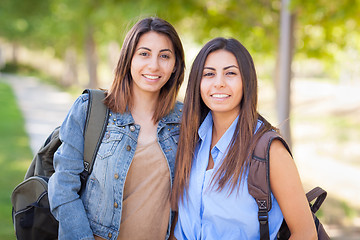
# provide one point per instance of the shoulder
(277, 144)
(81, 101)
(280, 157)
(77, 114)
(79, 107)
(175, 114)
(278, 147)
(83, 98)
(178, 107)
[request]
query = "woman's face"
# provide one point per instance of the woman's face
(152, 63)
(221, 84)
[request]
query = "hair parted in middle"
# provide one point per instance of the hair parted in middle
(119, 98)
(195, 111)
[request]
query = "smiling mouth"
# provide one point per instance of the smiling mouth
(220, 95)
(151, 77)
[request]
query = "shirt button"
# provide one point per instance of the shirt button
(116, 176)
(128, 148)
(132, 128)
(109, 235)
(115, 205)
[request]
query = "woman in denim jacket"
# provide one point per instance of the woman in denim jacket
(127, 194)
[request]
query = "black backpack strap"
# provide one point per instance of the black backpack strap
(95, 126)
(259, 179)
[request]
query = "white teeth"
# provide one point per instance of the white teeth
(151, 77)
(220, 95)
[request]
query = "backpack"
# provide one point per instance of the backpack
(31, 214)
(259, 189)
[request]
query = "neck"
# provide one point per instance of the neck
(221, 123)
(143, 107)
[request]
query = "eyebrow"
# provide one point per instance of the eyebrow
(162, 50)
(230, 67)
(227, 67)
(210, 68)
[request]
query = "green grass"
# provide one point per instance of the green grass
(15, 156)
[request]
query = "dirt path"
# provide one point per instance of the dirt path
(326, 147)
(321, 157)
(44, 107)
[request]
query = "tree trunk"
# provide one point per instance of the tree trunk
(2, 58)
(91, 57)
(113, 55)
(15, 50)
(286, 46)
(70, 74)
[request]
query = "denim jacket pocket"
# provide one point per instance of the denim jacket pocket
(99, 210)
(93, 191)
(111, 139)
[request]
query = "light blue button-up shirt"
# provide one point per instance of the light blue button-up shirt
(206, 213)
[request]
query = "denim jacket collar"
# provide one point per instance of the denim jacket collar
(173, 117)
(123, 119)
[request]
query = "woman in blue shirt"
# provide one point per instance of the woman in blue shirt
(220, 122)
(127, 195)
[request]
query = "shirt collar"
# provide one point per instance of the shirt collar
(258, 125)
(222, 145)
(225, 140)
(206, 128)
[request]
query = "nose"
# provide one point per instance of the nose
(219, 81)
(153, 63)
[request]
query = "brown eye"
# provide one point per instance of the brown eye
(208, 74)
(165, 56)
(230, 73)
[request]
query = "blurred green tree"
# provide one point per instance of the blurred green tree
(81, 30)
(19, 20)
(320, 26)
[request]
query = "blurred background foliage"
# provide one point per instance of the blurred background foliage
(80, 32)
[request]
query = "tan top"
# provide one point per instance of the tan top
(146, 202)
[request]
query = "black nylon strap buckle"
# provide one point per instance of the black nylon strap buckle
(263, 217)
(83, 178)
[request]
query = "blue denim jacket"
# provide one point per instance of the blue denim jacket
(98, 209)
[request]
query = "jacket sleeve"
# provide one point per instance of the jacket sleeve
(64, 184)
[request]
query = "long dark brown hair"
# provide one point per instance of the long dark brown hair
(194, 112)
(119, 98)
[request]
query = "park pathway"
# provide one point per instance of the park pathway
(44, 107)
